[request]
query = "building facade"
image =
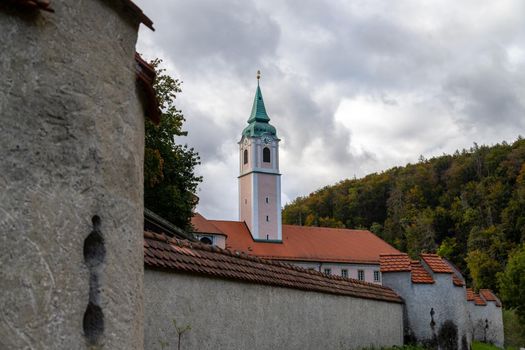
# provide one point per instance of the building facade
(259, 231)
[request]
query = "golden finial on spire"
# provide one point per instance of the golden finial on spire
(258, 75)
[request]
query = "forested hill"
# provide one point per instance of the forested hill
(469, 207)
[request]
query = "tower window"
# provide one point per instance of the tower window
(245, 201)
(267, 218)
(245, 156)
(267, 200)
(266, 155)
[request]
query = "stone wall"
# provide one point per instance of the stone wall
(71, 151)
(225, 314)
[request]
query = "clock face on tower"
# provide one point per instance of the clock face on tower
(267, 140)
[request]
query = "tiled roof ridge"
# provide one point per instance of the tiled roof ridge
(483, 297)
(354, 287)
(330, 228)
(436, 263)
(395, 262)
(419, 274)
(243, 255)
(307, 227)
(325, 260)
(489, 295)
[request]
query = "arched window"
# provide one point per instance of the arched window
(266, 155)
(245, 156)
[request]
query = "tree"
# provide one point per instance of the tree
(170, 182)
(512, 282)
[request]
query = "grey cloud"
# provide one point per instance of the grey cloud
(456, 66)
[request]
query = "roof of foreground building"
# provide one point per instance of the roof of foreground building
(401, 262)
(302, 243)
(163, 252)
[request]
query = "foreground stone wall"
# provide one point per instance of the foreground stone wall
(71, 151)
(227, 314)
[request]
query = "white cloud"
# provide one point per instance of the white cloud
(352, 87)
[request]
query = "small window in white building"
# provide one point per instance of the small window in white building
(267, 200)
(245, 201)
(327, 271)
(344, 273)
(361, 275)
(377, 276)
(267, 218)
(267, 237)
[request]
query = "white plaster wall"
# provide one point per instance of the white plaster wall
(245, 199)
(493, 314)
(447, 300)
(336, 269)
(268, 188)
(232, 315)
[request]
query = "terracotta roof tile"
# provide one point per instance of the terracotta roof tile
(202, 225)
(436, 263)
(470, 294)
(183, 256)
(488, 295)
(306, 243)
(478, 300)
(475, 297)
(458, 282)
(419, 274)
(394, 262)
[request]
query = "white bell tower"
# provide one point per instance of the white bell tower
(259, 179)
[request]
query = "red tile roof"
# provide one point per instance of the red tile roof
(489, 296)
(475, 297)
(436, 263)
(182, 256)
(394, 262)
(470, 294)
(305, 243)
(478, 300)
(202, 225)
(419, 274)
(458, 282)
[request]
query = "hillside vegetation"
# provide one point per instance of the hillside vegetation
(469, 207)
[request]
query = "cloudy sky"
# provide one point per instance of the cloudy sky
(353, 87)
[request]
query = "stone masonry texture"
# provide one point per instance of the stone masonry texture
(225, 314)
(71, 160)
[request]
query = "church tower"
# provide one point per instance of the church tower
(259, 179)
